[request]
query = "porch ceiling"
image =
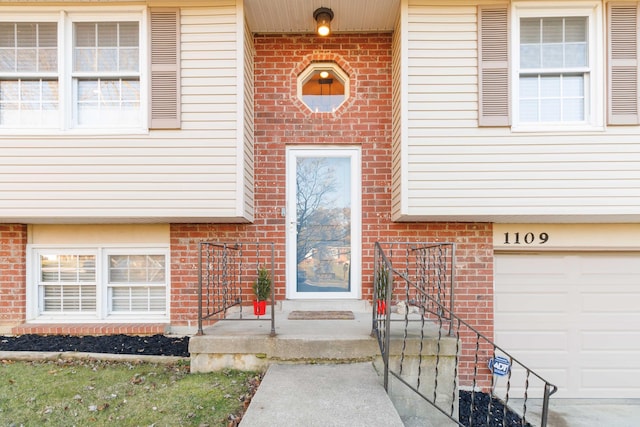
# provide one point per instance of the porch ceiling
(296, 16)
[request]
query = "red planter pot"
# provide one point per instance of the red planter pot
(259, 308)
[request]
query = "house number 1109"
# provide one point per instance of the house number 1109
(527, 239)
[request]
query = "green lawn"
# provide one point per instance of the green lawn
(97, 393)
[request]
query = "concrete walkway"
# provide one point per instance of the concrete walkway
(345, 395)
(594, 412)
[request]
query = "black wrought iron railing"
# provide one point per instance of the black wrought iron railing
(454, 367)
(226, 275)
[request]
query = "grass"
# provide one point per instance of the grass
(97, 393)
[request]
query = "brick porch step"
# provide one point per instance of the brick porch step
(90, 329)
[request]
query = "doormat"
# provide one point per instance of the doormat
(321, 315)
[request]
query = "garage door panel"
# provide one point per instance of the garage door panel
(599, 302)
(620, 360)
(614, 380)
(607, 341)
(519, 321)
(621, 265)
(574, 318)
(607, 322)
(545, 265)
(532, 302)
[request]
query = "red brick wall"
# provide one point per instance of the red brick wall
(281, 120)
(364, 121)
(13, 244)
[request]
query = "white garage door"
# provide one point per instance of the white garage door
(574, 318)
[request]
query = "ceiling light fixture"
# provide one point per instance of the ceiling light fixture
(323, 17)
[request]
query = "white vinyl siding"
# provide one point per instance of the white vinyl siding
(455, 170)
(209, 68)
(442, 66)
(498, 178)
(247, 142)
(399, 116)
(186, 175)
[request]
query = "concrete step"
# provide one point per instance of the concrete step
(348, 395)
(247, 344)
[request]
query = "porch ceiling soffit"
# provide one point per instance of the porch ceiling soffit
(288, 16)
(296, 16)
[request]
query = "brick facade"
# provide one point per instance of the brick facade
(13, 244)
(281, 120)
(364, 121)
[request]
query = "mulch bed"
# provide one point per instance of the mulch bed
(499, 416)
(154, 345)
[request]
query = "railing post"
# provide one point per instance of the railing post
(273, 294)
(200, 331)
(451, 290)
(387, 319)
(545, 403)
(376, 250)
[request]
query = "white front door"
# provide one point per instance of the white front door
(323, 223)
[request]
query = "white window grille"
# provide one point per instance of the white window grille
(29, 74)
(72, 70)
(558, 80)
(100, 283)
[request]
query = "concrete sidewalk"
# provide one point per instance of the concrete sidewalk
(344, 395)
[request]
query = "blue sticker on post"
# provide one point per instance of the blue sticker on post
(499, 366)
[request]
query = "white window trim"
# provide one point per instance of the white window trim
(65, 18)
(355, 157)
(594, 93)
(102, 314)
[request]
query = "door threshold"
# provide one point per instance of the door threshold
(357, 306)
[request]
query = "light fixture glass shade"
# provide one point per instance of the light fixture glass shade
(323, 17)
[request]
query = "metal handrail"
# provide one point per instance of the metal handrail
(224, 271)
(434, 312)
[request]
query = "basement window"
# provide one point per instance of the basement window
(323, 87)
(100, 283)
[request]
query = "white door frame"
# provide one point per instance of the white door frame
(355, 156)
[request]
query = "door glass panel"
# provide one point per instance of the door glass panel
(323, 224)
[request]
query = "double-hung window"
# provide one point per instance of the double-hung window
(556, 80)
(72, 70)
(100, 283)
(106, 74)
(136, 282)
(29, 79)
